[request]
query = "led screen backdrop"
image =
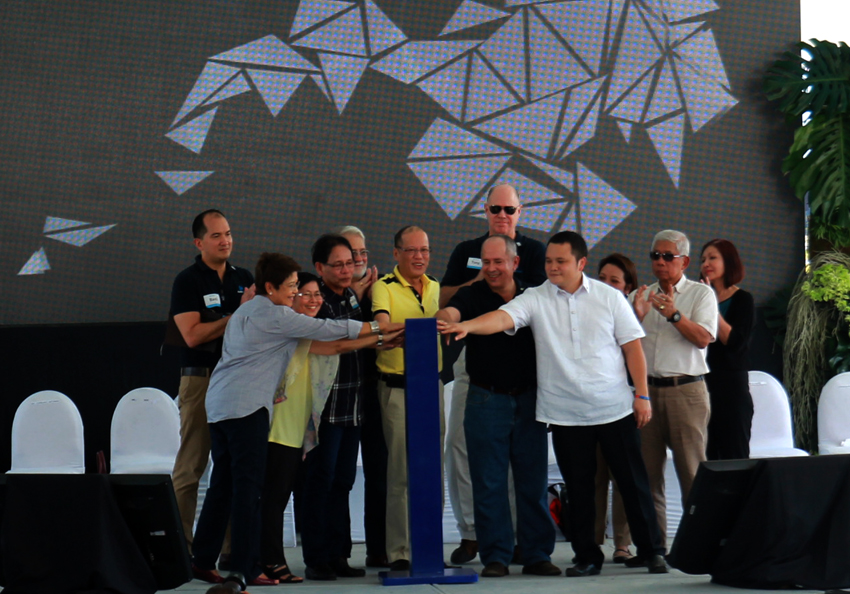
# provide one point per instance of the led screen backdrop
(122, 119)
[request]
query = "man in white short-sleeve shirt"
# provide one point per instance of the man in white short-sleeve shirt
(586, 335)
(679, 317)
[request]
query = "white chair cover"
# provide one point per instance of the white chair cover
(145, 433)
(772, 434)
(47, 436)
(834, 416)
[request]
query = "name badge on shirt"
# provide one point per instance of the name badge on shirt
(212, 300)
(354, 303)
(474, 263)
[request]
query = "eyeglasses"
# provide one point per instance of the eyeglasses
(308, 296)
(412, 251)
(361, 253)
(496, 209)
(668, 257)
(340, 265)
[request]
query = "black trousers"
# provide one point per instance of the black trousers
(282, 464)
(575, 450)
(374, 454)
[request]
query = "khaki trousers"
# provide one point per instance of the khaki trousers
(395, 433)
(679, 421)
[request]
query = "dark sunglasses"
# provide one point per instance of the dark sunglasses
(668, 257)
(509, 210)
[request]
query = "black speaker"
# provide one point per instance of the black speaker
(711, 511)
(149, 508)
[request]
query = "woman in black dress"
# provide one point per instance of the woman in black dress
(728, 385)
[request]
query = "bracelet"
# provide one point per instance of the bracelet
(642, 397)
(380, 340)
(375, 326)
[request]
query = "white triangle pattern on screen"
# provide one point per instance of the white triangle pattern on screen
(602, 207)
(705, 99)
(455, 183)
(678, 33)
(471, 14)
(668, 138)
(237, 86)
(665, 99)
(486, 94)
(636, 55)
(275, 87)
(571, 221)
(446, 87)
(630, 108)
(553, 68)
(57, 224)
(701, 52)
(505, 50)
(312, 12)
(342, 35)
(625, 129)
(679, 10)
(211, 79)
(343, 74)
(80, 237)
(268, 51)
(37, 264)
(323, 87)
(416, 59)
(383, 34)
(444, 139)
(530, 127)
(193, 134)
(181, 181)
(582, 24)
(578, 117)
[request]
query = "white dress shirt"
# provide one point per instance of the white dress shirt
(668, 353)
(581, 372)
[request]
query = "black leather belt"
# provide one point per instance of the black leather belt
(194, 371)
(498, 390)
(393, 380)
(679, 380)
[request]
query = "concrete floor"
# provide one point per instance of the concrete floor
(614, 579)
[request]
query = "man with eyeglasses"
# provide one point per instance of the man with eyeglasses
(502, 209)
(408, 292)
(679, 317)
(373, 447)
(330, 467)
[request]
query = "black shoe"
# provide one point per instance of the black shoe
(657, 564)
(400, 565)
(583, 570)
(541, 568)
(342, 569)
(466, 552)
(495, 569)
(320, 573)
(376, 561)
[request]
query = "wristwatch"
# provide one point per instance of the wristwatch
(375, 326)
(675, 318)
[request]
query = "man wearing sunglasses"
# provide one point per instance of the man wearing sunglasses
(679, 317)
(502, 208)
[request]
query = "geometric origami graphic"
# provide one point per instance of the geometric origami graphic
(535, 88)
(180, 181)
(57, 224)
(37, 264)
(80, 237)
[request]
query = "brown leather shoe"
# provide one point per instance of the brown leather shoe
(495, 569)
(466, 552)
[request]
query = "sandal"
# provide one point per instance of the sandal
(621, 555)
(282, 574)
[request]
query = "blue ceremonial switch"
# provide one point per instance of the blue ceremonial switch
(424, 472)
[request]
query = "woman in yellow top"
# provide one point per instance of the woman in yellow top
(298, 405)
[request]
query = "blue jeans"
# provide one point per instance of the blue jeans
(329, 472)
(501, 431)
(239, 449)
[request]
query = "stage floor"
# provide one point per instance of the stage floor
(614, 579)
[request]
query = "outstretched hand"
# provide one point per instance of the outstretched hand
(449, 328)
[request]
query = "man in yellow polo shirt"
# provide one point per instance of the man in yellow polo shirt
(406, 293)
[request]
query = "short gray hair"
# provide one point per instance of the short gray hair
(673, 236)
(510, 244)
(351, 230)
